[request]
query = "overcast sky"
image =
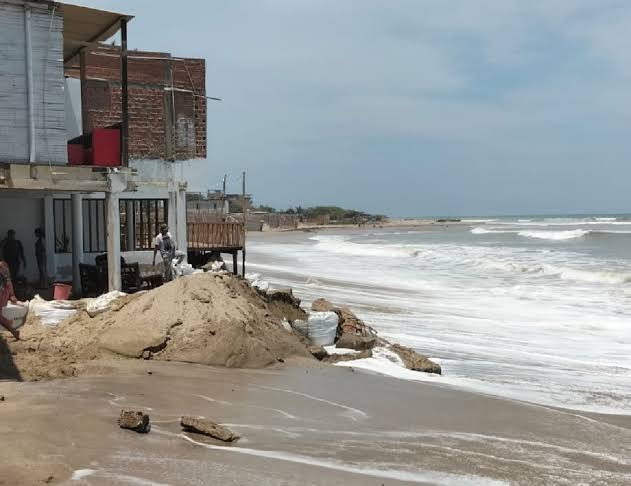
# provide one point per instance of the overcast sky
(411, 107)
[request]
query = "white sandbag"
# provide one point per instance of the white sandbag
(187, 269)
(262, 285)
(252, 277)
(103, 303)
(16, 313)
(52, 312)
(301, 327)
(218, 266)
(285, 325)
(320, 328)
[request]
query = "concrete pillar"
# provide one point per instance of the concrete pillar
(113, 241)
(172, 215)
(77, 240)
(180, 208)
(49, 231)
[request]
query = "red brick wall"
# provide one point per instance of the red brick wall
(154, 132)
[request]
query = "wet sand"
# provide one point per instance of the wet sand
(299, 425)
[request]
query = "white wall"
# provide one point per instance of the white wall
(193, 172)
(48, 85)
(74, 123)
(23, 215)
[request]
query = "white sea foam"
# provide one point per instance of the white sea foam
(533, 319)
(548, 234)
(555, 235)
(80, 474)
(416, 476)
(341, 245)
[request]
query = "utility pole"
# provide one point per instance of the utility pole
(244, 225)
(223, 196)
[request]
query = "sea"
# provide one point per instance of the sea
(530, 308)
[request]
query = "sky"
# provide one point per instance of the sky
(410, 107)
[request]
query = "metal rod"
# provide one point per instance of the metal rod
(84, 99)
(124, 94)
(244, 225)
(29, 84)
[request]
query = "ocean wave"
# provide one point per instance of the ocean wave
(563, 273)
(548, 223)
(342, 246)
(550, 235)
(555, 235)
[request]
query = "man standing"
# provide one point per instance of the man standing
(165, 245)
(40, 256)
(13, 253)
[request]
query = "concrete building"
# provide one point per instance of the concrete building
(59, 83)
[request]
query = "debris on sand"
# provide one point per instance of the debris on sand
(318, 352)
(209, 428)
(353, 333)
(415, 361)
(356, 342)
(134, 420)
(211, 319)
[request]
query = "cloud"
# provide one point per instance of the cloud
(362, 102)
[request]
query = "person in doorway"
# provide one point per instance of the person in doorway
(164, 244)
(13, 252)
(40, 256)
(7, 295)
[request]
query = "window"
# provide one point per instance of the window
(140, 222)
(62, 210)
(94, 226)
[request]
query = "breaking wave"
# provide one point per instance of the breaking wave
(341, 246)
(564, 273)
(555, 235)
(548, 234)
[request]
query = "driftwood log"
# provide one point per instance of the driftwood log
(209, 428)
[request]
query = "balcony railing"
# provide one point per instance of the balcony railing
(208, 236)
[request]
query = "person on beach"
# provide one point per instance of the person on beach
(7, 295)
(40, 256)
(164, 244)
(13, 252)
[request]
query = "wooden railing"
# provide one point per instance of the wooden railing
(215, 236)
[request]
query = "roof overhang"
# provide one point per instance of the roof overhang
(84, 27)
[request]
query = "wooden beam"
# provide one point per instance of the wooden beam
(124, 95)
(95, 39)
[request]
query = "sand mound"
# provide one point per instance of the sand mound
(207, 318)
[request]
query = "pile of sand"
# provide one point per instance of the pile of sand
(207, 318)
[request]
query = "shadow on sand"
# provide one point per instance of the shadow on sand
(8, 370)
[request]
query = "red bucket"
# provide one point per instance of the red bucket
(61, 291)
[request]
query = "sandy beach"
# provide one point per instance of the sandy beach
(299, 425)
(215, 347)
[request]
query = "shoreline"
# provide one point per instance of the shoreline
(299, 425)
(398, 223)
(289, 415)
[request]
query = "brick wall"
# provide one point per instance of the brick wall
(164, 123)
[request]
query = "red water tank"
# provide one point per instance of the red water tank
(106, 147)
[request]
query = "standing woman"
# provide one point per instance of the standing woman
(6, 295)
